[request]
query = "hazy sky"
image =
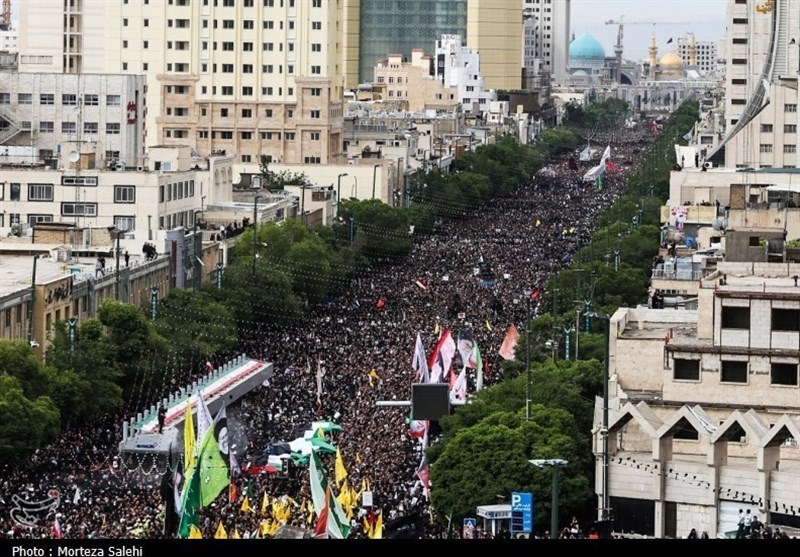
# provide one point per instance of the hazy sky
(705, 18)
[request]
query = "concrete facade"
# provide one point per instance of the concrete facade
(705, 405)
(240, 77)
(494, 31)
(554, 25)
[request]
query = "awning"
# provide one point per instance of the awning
(789, 188)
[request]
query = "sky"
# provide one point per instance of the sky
(705, 18)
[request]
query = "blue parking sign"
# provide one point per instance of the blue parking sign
(521, 513)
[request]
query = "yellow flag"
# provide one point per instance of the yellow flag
(367, 528)
(303, 507)
(246, 508)
(310, 517)
(436, 329)
(194, 533)
(320, 433)
(221, 534)
(538, 223)
(344, 496)
(377, 531)
(292, 501)
(236, 535)
(264, 527)
(489, 326)
(354, 497)
(275, 527)
(264, 504)
(339, 470)
(358, 458)
(188, 440)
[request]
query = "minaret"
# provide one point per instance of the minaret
(692, 51)
(653, 57)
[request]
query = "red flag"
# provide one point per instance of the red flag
(380, 303)
(232, 492)
(421, 284)
(321, 529)
(423, 473)
(509, 343)
(536, 294)
(56, 529)
(610, 166)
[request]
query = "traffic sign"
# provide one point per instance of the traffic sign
(521, 513)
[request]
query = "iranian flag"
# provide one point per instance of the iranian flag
(335, 520)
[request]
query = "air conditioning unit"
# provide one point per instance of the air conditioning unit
(708, 164)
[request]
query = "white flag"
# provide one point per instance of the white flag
(203, 420)
(458, 393)
(420, 363)
(319, 379)
(77, 496)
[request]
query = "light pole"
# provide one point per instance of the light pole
(528, 358)
(374, 178)
(117, 234)
(255, 229)
(604, 431)
(555, 464)
(339, 187)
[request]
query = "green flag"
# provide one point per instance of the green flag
(190, 506)
(212, 462)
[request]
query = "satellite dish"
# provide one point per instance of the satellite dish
(74, 156)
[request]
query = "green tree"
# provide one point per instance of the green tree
(276, 180)
(134, 346)
(260, 298)
(85, 380)
(18, 360)
(195, 325)
(25, 424)
(490, 459)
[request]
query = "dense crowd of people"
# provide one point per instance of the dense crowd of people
(473, 273)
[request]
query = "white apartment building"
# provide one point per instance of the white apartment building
(163, 196)
(761, 95)
(459, 68)
(700, 55)
(9, 38)
(249, 77)
(553, 19)
(40, 111)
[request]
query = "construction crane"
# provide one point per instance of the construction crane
(618, 47)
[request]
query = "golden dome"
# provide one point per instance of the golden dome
(671, 60)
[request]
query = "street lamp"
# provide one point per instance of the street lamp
(116, 233)
(255, 228)
(339, 187)
(604, 430)
(555, 464)
(374, 178)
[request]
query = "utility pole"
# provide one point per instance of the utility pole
(604, 512)
(555, 327)
(255, 229)
(555, 464)
(31, 301)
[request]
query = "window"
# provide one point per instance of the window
(766, 128)
(247, 91)
(735, 317)
(765, 148)
(754, 241)
(316, 92)
(267, 68)
(25, 98)
(790, 128)
(269, 25)
(69, 100)
(686, 370)
(268, 46)
(227, 90)
(227, 45)
(226, 135)
(79, 209)
(268, 113)
(790, 108)
(247, 24)
(112, 128)
(113, 100)
(315, 114)
(46, 127)
(316, 70)
(316, 25)
(314, 136)
(47, 98)
(37, 218)
(90, 127)
(316, 3)
(790, 148)
(40, 192)
(247, 68)
(785, 319)
(247, 158)
(289, 136)
(112, 155)
(783, 374)
(69, 127)
(124, 194)
(91, 100)
(733, 372)
(247, 113)
(247, 47)
(227, 68)
(312, 160)
(223, 112)
(246, 135)
(316, 47)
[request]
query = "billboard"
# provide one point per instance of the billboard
(521, 513)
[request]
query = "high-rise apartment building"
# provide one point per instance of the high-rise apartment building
(248, 77)
(494, 31)
(552, 46)
(761, 97)
(701, 55)
(402, 26)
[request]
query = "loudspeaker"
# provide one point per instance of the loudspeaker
(430, 401)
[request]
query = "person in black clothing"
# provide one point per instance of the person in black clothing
(162, 417)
